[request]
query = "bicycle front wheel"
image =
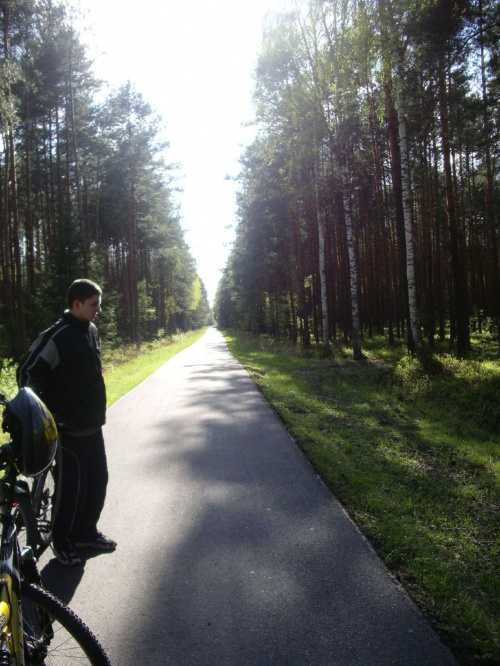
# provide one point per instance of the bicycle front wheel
(53, 634)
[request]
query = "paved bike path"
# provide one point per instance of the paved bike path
(231, 549)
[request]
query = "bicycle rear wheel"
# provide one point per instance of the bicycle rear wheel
(44, 503)
(24, 518)
(53, 634)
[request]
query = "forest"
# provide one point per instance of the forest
(369, 199)
(85, 191)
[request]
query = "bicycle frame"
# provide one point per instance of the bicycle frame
(11, 624)
(35, 626)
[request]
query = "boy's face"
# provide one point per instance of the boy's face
(88, 310)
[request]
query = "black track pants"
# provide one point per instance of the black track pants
(82, 479)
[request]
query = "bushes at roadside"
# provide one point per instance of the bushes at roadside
(8, 383)
(8, 387)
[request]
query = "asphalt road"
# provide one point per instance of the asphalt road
(231, 549)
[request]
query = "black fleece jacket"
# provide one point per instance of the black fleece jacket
(63, 367)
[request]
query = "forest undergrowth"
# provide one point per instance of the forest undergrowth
(414, 456)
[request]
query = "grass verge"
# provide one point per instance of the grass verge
(128, 366)
(124, 367)
(415, 459)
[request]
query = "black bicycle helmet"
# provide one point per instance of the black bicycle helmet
(33, 432)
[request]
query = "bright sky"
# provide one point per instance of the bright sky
(193, 61)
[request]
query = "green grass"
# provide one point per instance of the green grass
(124, 367)
(413, 456)
(415, 459)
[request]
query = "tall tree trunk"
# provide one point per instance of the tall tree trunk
(321, 258)
(397, 189)
(7, 290)
(133, 270)
(12, 172)
(81, 220)
(494, 271)
(389, 34)
(353, 268)
(426, 222)
(19, 292)
(461, 296)
(405, 182)
(337, 146)
(58, 198)
(302, 298)
(380, 258)
(30, 245)
(162, 297)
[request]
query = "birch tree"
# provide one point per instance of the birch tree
(331, 122)
(395, 39)
(406, 196)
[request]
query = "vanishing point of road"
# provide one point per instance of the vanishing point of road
(231, 551)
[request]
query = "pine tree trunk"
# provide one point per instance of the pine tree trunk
(494, 269)
(321, 259)
(461, 297)
(81, 220)
(19, 292)
(30, 249)
(11, 172)
(302, 296)
(133, 270)
(7, 289)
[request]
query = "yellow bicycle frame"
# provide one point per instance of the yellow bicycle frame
(11, 624)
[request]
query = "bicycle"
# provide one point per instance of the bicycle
(37, 506)
(36, 628)
(44, 503)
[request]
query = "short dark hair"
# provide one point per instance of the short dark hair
(82, 289)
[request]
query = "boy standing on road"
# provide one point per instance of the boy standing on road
(63, 366)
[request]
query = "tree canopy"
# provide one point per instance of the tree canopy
(369, 201)
(84, 191)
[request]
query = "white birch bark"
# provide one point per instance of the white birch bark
(353, 266)
(410, 254)
(321, 261)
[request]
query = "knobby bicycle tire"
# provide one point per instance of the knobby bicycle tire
(25, 520)
(53, 634)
